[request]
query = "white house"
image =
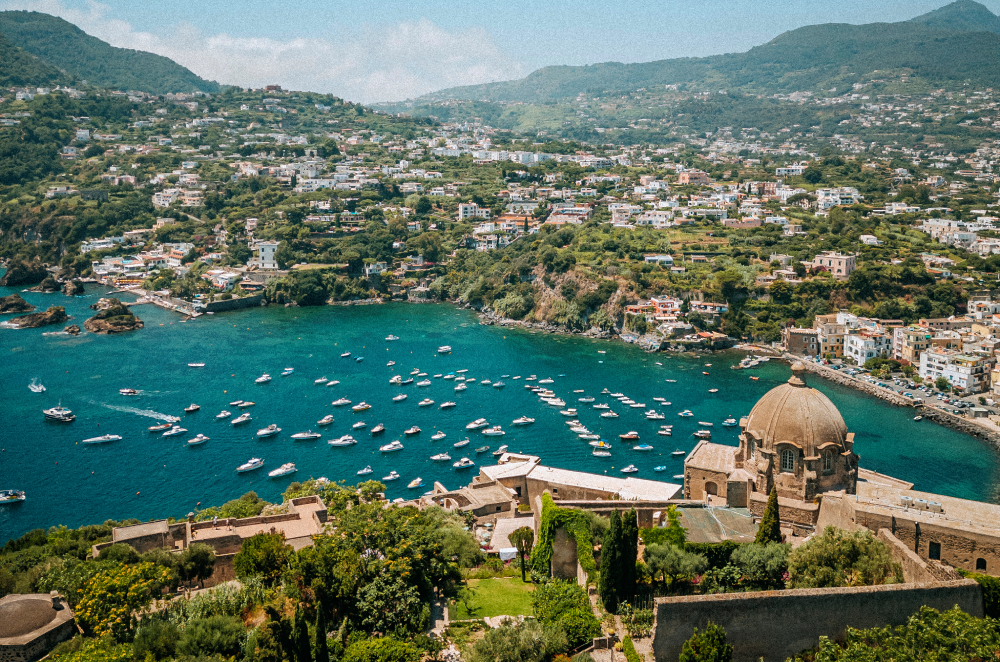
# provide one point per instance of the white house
(265, 255)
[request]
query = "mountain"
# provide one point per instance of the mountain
(958, 42)
(19, 69)
(70, 49)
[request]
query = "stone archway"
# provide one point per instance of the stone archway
(711, 488)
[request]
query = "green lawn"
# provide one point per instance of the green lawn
(495, 597)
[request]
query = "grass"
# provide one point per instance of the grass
(495, 597)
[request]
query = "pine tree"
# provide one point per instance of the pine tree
(322, 653)
(770, 524)
(610, 564)
(707, 646)
(300, 638)
(629, 553)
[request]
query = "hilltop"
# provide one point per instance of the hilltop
(58, 45)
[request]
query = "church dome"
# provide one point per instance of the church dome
(796, 413)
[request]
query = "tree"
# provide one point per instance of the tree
(812, 174)
(300, 638)
(113, 598)
(707, 646)
(842, 558)
(670, 561)
(629, 556)
(381, 649)
(215, 635)
(524, 540)
(942, 383)
(284, 256)
(762, 566)
(197, 562)
(264, 555)
(769, 529)
(389, 606)
(519, 642)
(321, 651)
(611, 564)
(157, 638)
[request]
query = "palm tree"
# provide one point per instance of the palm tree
(523, 539)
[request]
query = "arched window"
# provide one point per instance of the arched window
(788, 460)
(981, 565)
(827, 462)
(752, 448)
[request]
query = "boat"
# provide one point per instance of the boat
(678, 476)
(416, 482)
(670, 381)
(463, 442)
(524, 420)
(12, 496)
(486, 382)
(500, 451)
(530, 378)
(199, 439)
(704, 372)
(603, 445)
(482, 449)
(705, 424)
(361, 406)
(703, 434)
(250, 465)
(464, 463)
(399, 398)
(287, 371)
(392, 476)
(660, 468)
(441, 457)
(438, 436)
(588, 398)
(729, 422)
(269, 431)
(495, 431)
(308, 435)
(340, 402)
(359, 359)
(364, 472)
(568, 412)
(103, 439)
(321, 380)
(617, 395)
(498, 384)
(235, 403)
(678, 453)
(283, 470)
(556, 402)
(601, 453)
(378, 429)
(642, 447)
(59, 413)
(426, 402)
(476, 424)
(918, 418)
(159, 428)
(713, 390)
(223, 414)
(461, 387)
(450, 375)
(629, 436)
(128, 391)
(391, 337)
(415, 371)
(609, 414)
(326, 420)
(686, 413)
(602, 406)
(359, 425)
(246, 403)
(444, 349)
(424, 382)
(345, 355)
(587, 435)
(191, 408)
(664, 433)
(755, 378)
(196, 365)
(411, 431)
(630, 469)
(390, 364)
(263, 379)
(346, 440)
(35, 387)
(653, 415)
(396, 445)
(174, 431)
(447, 405)
(545, 381)
(242, 418)
(406, 381)
(333, 382)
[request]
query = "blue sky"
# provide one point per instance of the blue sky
(393, 49)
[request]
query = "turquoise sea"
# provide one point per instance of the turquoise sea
(147, 476)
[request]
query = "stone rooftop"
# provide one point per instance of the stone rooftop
(627, 487)
(711, 457)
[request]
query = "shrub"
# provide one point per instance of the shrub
(770, 523)
(991, 592)
(215, 635)
(631, 655)
(553, 599)
(119, 553)
(264, 555)
(576, 523)
(381, 649)
(842, 558)
(717, 554)
(156, 638)
(707, 646)
(762, 566)
(580, 626)
(518, 642)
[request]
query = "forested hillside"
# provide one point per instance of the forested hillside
(18, 68)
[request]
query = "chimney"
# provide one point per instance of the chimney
(56, 603)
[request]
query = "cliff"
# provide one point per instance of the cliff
(113, 317)
(54, 315)
(72, 288)
(23, 273)
(15, 304)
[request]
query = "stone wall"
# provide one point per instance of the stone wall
(249, 301)
(774, 625)
(645, 510)
(915, 569)
(564, 561)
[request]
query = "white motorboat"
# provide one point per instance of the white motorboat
(333, 382)
(191, 408)
(450, 375)
(441, 457)
(287, 371)
(390, 364)
(283, 470)
(476, 424)
(128, 391)
(568, 412)
(321, 380)
(390, 447)
(686, 413)
(426, 402)
(444, 349)
(482, 449)
(461, 387)
(359, 425)
(642, 447)
(609, 414)
(617, 395)
(495, 431)
(524, 420)
(199, 439)
(346, 440)
(603, 445)
(530, 378)
(599, 453)
(704, 424)
(308, 435)
(630, 469)
(416, 482)
(659, 399)
(498, 384)
(464, 463)
(664, 433)
(378, 429)
(556, 402)
(412, 430)
(340, 402)
(326, 420)
(345, 355)
(399, 398)
(174, 431)
(588, 398)
(223, 414)
(196, 365)
(269, 431)
(392, 476)
(486, 382)
(263, 379)
(447, 405)
(678, 453)
(11, 496)
(391, 337)
(602, 406)
(250, 465)
(364, 472)
(653, 415)
(500, 451)
(713, 390)
(242, 418)
(424, 382)
(637, 405)
(437, 436)
(678, 476)
(361, 406)
(160, 427)
(59, 413)
(246, 403)
(235, 403)
(629, 436)
(729, 422)
(703, 434)
(587, 435)
(545, 381)
(463, 442)
(103, 439)
(415, 371)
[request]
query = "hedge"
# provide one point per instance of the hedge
(991, 592)
(717, 553)
(629, 649)
(576, 523)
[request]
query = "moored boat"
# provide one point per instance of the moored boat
(464, 463)
(242, 418)
(482, 449)
(495, 431)
(60, 414)
(378, 429)
(174, 431)
(263, 379)
(447, 405)
(476, 424)
(500, 451)
(198, 439)
(416, 482)
(159, 428)
(642, 447)
(437, 436)
(630, 469)
(346, 440)
(340, 402)
(463, 442)
(524, 420)
(191, 408)
(326, 420)
(361, 406)
(223, 414)
(412, 430)
(306, 436)
(729, 422)
(629, 436)
(103, 439)
(392, 476)
(396, 445)
(283, 470)
(364, 472)
(250, 465)
(426, 402)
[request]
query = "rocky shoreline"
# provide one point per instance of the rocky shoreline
(14, 304)
(113, 317)
(54, 315)
(488, 317)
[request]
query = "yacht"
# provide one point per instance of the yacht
(500, 451)
(196, 365)
(659, 399)
(235, 403)
(392, 476)
(545, 381)
(191, 408)
(495, 431)
(326, 420)
(345, 355)
(361, 406)
(642, 447)
(128, 391)
(524, 420)
(242, 418)
(269, 431)
(333, 382)
(199, 439)
(461, 387)
(394, 446)
(464, 463)
(617, 395)
(602, 445)
(378, 429)
(415, 371)
(287, 371)
(447, 405)
(340, 402)
(174, 431)
(602, 406)
(629, 436)
(437, 436)
(556, 402)
(11, 496)
(359, 425)
(486, 382)
(308, 435)
(476, 424)
(630, 469)
(678, 476)
(704, 424)
(426, 402)
(498, 384)
(223, 414)
(686, 413)
(406, 381)
(399, 398)
(670, 381)
(588, 398)
(459, 444)
(450, 375)
(713, 390)
(391, 337)
(637, 405)
(250, 465)
(666, 432)
(246, 403)
(441, 457)
(678, 453)
(103, 439)
(159, 428)
(321, 380)
(653, 415)
(359, 359)
(283, 470)
(609, 414)
(346, 440)
(59, 413)
(411, 431)
(568, 412)
(364, 472)
(424, 382)
(444, 349)
(703, 434)
(599, 453)
(482, 449)
(263, 379)
(390, 364)
(729, 422)
(416, 482)
(588, 435)
(530, 378)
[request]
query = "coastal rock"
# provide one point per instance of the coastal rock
(15, 304)
(23, 273)
(72, 330)
(54, 315)
(72, 288)
(47, 286)
(113, 317)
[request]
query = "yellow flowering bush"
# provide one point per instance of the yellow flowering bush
(97, 650)
(109, 601)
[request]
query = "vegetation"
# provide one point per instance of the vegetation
(577, 524)
(525, 642)
(611, 561)
(566, 604)
(523, 539)
(493, 597)
(769, 529)
(708, 645)
(842, 558)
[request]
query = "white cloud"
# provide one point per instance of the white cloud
(363, 64)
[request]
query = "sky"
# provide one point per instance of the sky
(393, 50)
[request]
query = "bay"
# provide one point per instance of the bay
(147, 476)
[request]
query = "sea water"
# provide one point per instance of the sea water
(148, 476)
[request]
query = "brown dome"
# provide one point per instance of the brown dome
(795, 413)
(20, 617)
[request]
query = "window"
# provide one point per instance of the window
(827, 462)
(934, 551)
(788, 460)
(555, 490)
(981, 565)
(752, 448)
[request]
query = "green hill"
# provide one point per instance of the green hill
(19, 69)
(70, 49)
(958, 42)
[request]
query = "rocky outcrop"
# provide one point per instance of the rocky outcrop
(113, 317)
(489, 317)
(23, 273)
(54, 315)
(47, 286)
(72, 330)
(15, 304)
(72, 288)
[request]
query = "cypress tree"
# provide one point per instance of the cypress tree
(610, 564)
(300, 639)
(322, 652)
(770, 524)
(629, 553)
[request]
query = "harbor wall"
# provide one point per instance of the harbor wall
(250, 301)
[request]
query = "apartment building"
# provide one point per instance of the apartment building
(801, 342)
(831, 338)
(969, 373)
(838, 264)
(915, 341)
(865, 344)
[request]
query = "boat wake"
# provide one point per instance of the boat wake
(149, 413)
(35, 386)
